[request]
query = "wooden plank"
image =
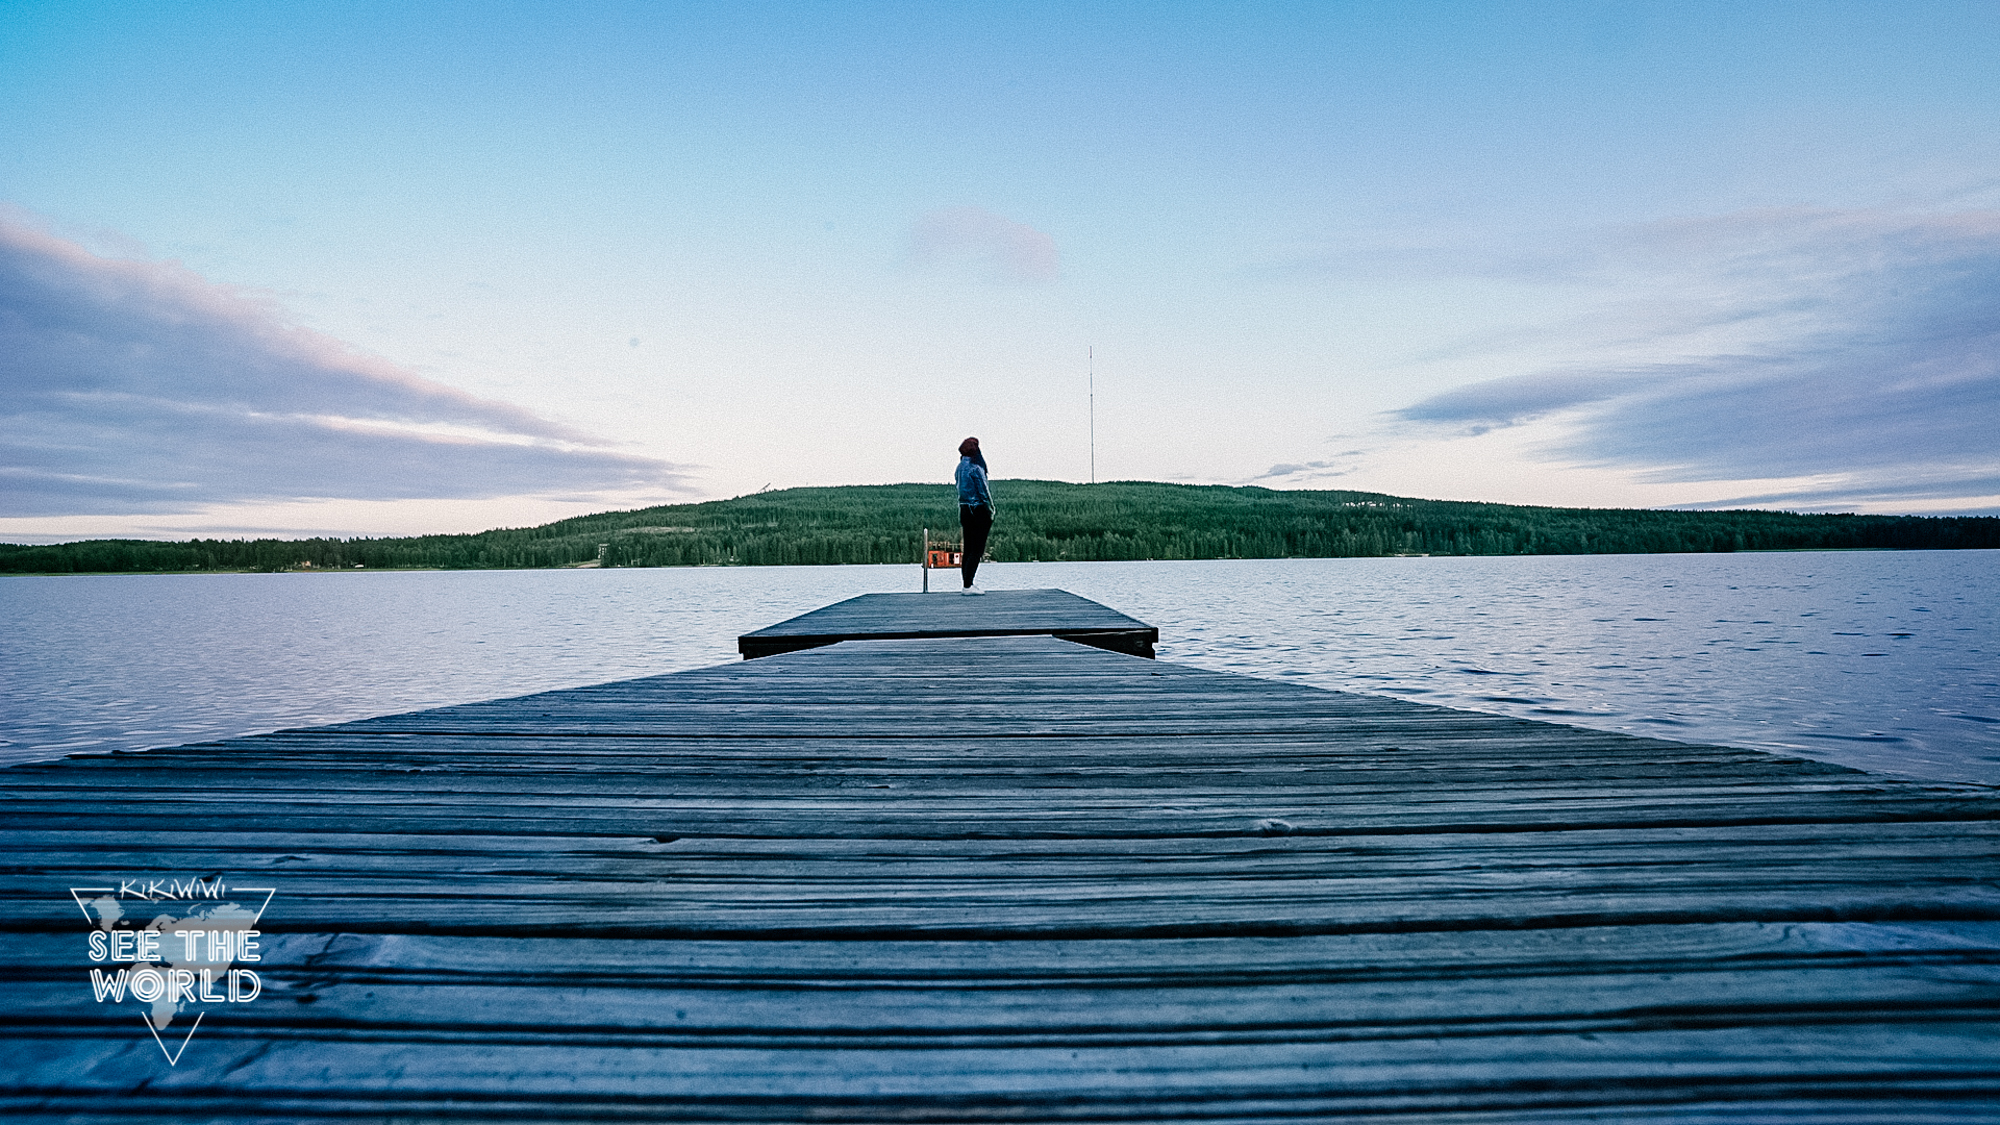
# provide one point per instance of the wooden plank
(997, 613)
(1021, 879)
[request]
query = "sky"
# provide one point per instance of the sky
(376, 269)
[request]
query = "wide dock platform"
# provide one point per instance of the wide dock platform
(998, 613)
(1013, 879)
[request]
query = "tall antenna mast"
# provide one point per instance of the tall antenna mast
(1090, 354)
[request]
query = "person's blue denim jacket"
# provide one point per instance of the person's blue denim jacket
(972, 484)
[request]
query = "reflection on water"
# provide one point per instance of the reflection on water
(1881, 660)
(129, 661)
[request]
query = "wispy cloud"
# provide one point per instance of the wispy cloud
(1297, 473)
(137, 386)
(975, 242)
(1511, 401)
(1863, 347)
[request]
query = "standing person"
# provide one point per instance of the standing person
(975, 509)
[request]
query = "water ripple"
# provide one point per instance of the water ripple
(1817, 654)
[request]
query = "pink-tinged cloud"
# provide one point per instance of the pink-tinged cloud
(138, 386)
(976, 242)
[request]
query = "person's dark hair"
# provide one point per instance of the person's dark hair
(969, 447)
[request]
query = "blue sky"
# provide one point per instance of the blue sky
(382, 268)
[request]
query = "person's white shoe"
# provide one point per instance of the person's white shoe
(972, 590)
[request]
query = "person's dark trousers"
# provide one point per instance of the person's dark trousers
(977, 521)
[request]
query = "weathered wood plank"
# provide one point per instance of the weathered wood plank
(998, 613)
(1021, 879)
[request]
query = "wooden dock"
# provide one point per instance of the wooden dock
(1015, 879)
(998, 613)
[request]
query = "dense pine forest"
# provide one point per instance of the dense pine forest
(1039, 521)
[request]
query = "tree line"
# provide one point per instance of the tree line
(1039, 521)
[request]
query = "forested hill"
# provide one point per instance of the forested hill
(1039, 520)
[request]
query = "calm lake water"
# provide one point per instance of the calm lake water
(1884, 660)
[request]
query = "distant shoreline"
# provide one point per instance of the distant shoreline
(750, 566)
(1040, 521)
